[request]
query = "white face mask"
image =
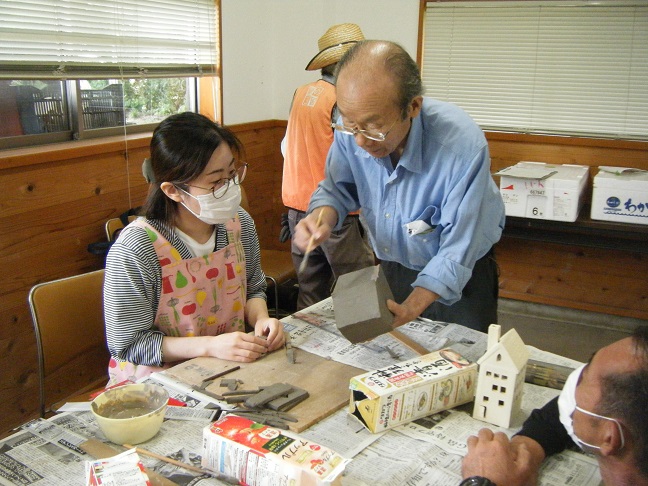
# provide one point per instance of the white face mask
(217, 211)
(567, 406)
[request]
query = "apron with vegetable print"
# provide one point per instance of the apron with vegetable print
(202, 296)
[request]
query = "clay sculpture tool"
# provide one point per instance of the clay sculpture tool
(311, 242)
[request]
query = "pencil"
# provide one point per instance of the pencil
(189, 467)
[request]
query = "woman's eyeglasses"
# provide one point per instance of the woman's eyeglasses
(219, 189)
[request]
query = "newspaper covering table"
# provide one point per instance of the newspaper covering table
(430, 450)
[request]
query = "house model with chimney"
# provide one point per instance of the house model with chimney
(501, 375)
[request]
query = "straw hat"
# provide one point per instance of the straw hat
(333, 44)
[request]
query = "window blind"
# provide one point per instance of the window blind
(542, 67)
(98, 39)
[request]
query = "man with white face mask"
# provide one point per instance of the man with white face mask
(603, 409)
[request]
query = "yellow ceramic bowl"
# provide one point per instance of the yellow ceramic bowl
(131, 414)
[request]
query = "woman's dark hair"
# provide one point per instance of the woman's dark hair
(181, 147)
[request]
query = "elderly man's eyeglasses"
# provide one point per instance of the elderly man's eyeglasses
(218, 190)
(369, 134)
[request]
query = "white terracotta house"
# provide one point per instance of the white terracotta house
(500, 381)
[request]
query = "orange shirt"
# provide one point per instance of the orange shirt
(308, 138)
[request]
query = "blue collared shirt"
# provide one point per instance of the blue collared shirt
(443, 179)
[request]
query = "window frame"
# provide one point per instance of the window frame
(521, 130)
(204, 88)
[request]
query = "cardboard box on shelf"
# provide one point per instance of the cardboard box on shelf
(360, 304)
(543, 191)
(390, 396)
(257, 454)
(620, 194)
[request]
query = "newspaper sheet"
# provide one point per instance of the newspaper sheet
(341, 432)
(552, 358)
(420, 463)
(444, 435)
(314, 330)
(430, 450)
(48, 452)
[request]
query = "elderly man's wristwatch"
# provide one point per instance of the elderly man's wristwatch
(477, 481)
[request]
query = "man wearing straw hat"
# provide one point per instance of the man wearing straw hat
(308, 138)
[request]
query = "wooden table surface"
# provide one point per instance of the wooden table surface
(326, 381)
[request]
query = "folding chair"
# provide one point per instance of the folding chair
(114, 225)
(70, 337)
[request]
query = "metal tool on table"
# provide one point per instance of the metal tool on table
(311, 242)
(202, 388)
(189, 467)
(267, 404)
(547, 374)
(290, 351)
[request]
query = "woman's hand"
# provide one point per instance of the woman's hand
(237, 346)
(273, 330)
(233, 346)
(256, 314)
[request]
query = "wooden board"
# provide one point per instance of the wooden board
(326, 381)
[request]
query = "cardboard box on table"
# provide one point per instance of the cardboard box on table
(360, 304)
(620, 194)
(543, 191)
(390, 396)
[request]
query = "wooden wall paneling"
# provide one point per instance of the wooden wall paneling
(263, 182)
(592, 279)
(54, 200)
(53, 205)
(508, 149)
(19, 377)
(600, 280)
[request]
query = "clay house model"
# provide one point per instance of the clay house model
(501, 375)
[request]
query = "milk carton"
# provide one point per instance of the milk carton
(390, 396)
(259, 455)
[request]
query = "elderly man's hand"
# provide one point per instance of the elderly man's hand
(493, 456)
(412, 307)
(315, 226)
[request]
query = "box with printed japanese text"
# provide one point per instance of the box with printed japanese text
(390, 396)
(620, 194)
(259, 455)
(543, 191)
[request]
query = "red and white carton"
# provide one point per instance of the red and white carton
(125, 469)
(260, 455)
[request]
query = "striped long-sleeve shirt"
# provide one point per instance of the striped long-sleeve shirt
(133, 286)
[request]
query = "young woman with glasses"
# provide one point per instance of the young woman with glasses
(186, 280)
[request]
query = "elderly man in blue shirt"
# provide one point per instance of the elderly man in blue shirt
(419, 169)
